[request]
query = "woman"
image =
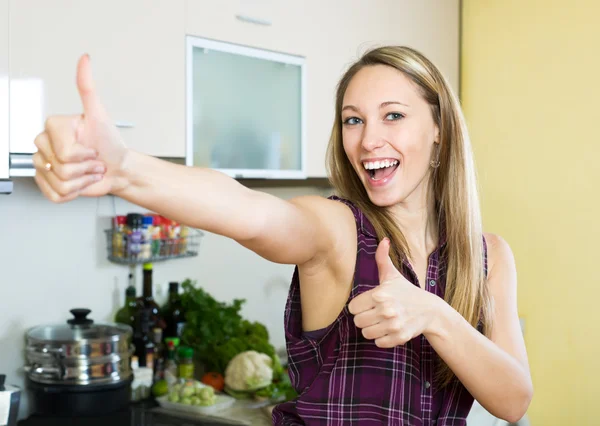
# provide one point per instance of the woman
(401, 310)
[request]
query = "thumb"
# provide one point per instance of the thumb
(87, 90)
(387, 270)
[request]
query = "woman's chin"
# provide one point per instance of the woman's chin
(383, 199)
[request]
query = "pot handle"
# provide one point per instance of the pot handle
(41, 371)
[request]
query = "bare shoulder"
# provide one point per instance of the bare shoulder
(501, 261)
(328, 212)
(335, 224)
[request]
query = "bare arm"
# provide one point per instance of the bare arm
(496, 370)
(281, 231)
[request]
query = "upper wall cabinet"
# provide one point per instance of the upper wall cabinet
(137, 48)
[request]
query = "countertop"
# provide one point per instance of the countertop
(149, 414)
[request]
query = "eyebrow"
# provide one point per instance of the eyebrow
(383, 105)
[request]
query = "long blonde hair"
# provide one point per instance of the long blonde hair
(453, 184)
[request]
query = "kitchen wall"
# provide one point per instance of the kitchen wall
(53, 258)
(530, 93)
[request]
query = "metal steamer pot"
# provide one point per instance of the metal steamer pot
(79, 368)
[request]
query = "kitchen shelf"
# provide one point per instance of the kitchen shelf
(156, 250)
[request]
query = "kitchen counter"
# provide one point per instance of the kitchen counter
(149, 414)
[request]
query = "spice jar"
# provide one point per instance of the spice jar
(134, 237)
(186, 362)
(118, 243)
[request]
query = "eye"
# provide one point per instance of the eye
(393, 116)
(352, 121)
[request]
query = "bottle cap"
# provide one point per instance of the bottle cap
(186, 352)
(172, 342)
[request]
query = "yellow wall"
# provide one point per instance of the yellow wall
(531, 93)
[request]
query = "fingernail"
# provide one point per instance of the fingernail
(99, 169)
(97, 177)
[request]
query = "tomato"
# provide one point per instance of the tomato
(216, 380)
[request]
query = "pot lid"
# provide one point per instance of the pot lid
(78, 328)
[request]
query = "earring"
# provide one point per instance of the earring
(436, 163)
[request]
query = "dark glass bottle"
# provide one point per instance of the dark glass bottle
(147, 299)
(160, 354)
(126, 315)
(173, 312)
(144, 346)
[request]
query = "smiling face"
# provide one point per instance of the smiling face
(388, 135)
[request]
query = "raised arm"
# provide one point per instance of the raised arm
(85, 155)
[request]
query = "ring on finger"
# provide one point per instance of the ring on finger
(48, 166)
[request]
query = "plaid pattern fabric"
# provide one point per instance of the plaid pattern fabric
(344, 379)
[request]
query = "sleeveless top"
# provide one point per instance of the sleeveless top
(344, 379)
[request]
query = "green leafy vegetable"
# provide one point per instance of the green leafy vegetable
(217, 331)
(279, 391)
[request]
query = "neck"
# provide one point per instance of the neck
(417, 218)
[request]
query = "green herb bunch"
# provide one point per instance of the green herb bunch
(217, 331)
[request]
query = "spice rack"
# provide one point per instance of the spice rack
(151, 241)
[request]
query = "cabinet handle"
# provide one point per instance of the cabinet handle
(252, 20)
(124, 124)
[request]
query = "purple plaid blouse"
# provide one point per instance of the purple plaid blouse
(344, 379)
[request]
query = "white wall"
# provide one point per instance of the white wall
(52, 259)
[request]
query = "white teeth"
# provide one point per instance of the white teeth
(371, 165)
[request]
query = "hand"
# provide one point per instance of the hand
(80, 154)
(396, 311)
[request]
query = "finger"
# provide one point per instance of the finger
(66, 187)
(362, 302)
(387, 342)
(379, 313)
(49, 193)
(393, 339)
(68, 171)
(58, 141)
(367, 319)
(381, 329)
(387, 270)
(87, 89)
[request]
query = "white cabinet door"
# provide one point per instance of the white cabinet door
(137, 48)
(4, 89)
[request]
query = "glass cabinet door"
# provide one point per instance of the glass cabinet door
(245, 110)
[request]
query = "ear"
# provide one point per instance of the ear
(436, 135)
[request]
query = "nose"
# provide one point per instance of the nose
(372, 137)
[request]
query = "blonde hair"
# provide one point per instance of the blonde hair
(453, 184)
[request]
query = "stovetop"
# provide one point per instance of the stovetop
(140, 414)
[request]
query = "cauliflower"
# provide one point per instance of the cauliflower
(249, 370)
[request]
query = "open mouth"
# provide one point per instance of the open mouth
(380, 169)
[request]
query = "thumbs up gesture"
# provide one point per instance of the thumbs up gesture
(80, 154)
(396, 311)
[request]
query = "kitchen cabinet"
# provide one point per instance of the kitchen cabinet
(4, 97)
(137, 48)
